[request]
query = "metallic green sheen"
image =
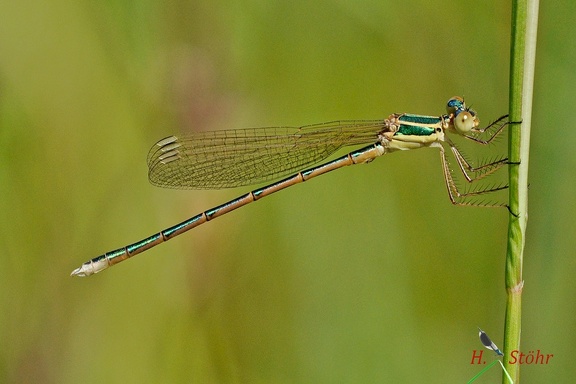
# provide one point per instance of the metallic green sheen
(414, 130)
(431, 120)
(408, 129)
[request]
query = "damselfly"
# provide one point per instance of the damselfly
(233, 158)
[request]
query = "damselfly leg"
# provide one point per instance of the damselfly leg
(473, 173)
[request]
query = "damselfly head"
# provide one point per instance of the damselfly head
(465, 121)
(455, 105)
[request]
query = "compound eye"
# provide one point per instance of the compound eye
(455, 105)
(464, 122)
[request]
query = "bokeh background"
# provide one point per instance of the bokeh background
(368, 274)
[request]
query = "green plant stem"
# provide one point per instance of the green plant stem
(523, 49)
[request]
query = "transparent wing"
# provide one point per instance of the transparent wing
(232, 158)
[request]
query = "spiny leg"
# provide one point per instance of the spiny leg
(461, 198)
(483, 170)
(477, 172)
(494, 129)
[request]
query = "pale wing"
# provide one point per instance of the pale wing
(232, 158)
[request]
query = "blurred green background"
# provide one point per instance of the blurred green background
(365, 275)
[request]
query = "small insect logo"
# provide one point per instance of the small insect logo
(477, 356)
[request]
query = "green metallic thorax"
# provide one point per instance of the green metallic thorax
(418, 125)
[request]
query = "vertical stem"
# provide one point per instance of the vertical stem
(522, 58)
